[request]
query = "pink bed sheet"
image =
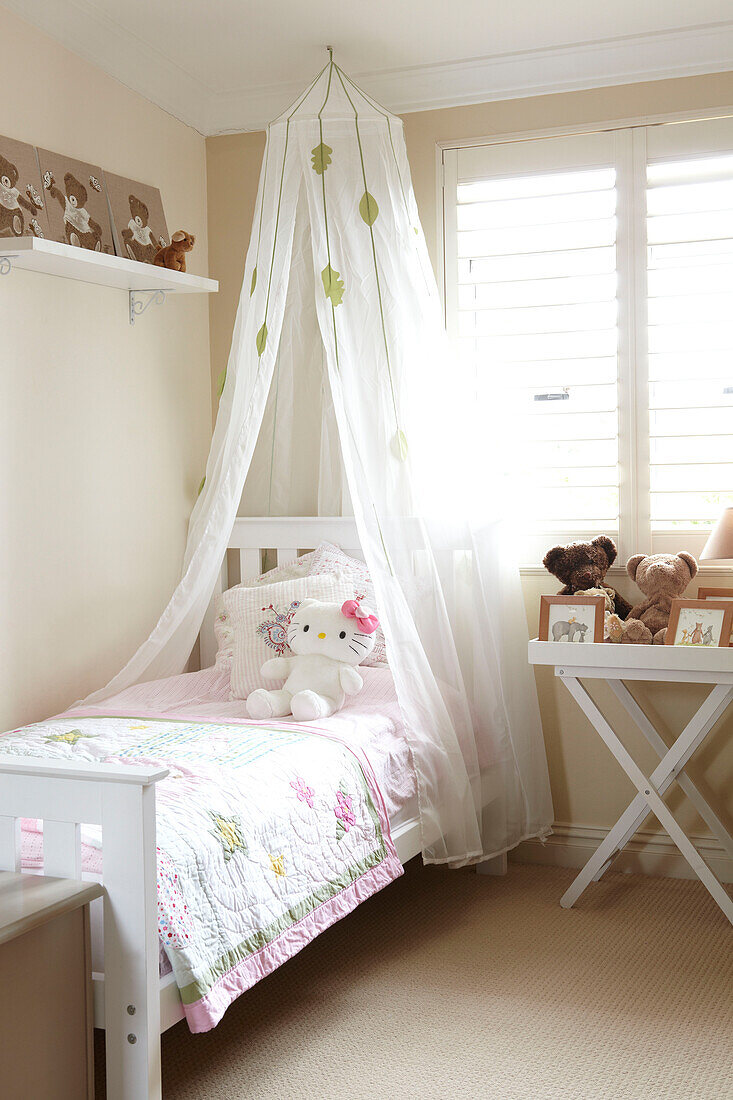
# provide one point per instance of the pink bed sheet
(371, 722)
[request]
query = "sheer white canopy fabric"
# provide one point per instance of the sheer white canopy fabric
(339, 314)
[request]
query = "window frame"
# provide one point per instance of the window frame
(635, 529)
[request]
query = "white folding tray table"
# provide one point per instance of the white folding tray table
(574, 662)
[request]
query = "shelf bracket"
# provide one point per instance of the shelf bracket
(6, 263)
(138, 305)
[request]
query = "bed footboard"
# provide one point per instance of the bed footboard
(121, 799)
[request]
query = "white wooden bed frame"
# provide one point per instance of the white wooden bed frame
(131, 1002)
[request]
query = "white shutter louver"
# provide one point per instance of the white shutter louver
(537, 305)
(690, 295)
(589, 281)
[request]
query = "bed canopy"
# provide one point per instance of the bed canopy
(339, 313)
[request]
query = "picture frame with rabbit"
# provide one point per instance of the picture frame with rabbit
(700, 623)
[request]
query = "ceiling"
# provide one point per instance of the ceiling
(228, 65)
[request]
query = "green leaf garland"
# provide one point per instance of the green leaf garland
(368, 208)
(399, 443)
(333, 285)
(261, 339)
(321, 157)
(254, 281)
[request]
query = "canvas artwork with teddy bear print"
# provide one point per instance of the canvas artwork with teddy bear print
(138, 221)
(22, 205)
(76, 202)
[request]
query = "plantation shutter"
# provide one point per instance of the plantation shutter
(535, 247)
(690, 325)
(589, 287)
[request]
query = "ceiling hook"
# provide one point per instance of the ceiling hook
(330, 53)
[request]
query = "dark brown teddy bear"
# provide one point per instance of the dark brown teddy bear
(583, 565)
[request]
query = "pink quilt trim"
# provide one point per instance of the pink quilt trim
(205, 1014)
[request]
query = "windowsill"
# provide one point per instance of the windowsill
(620, 571)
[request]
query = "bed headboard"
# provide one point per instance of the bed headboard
(287, 537)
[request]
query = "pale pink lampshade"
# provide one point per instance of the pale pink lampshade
(719, 546)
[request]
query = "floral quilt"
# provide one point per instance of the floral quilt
(266, 834)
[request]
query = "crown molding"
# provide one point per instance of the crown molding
(84, 30)
(687, 52)
(90, 34)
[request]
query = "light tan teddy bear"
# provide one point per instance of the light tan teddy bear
(661, 578)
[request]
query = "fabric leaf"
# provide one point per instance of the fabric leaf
(321, 157)
(201, 486)
(261, 339)
(368, 208)
(333, 285)
(399, 443)
(221, 382)
(254, 282)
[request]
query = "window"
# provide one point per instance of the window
(591, 276)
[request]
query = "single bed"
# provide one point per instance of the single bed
(85, 805)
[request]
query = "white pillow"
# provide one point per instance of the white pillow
(329, 559)
(258, 619)
(222, 628)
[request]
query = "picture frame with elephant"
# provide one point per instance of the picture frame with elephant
(576, 619)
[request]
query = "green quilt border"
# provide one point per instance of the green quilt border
(197, 989)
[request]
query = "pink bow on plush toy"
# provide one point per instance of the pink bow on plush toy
(352, 610)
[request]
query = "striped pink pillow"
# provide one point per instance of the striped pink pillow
(257, 619)
(330, 559)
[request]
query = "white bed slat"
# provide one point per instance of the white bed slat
(445, 560)
(62, 849)
(250, 563)
(207, 636)
(9, 844)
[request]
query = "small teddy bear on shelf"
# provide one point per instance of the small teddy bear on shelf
(661, 578)
(173, 256)
(327, 641)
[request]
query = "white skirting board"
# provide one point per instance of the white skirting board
(649, 853)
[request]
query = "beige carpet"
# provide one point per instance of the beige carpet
(449, 984)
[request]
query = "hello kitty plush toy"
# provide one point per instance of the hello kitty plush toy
(327, 641)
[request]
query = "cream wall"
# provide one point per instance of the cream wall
(104, 428)
(589, 790)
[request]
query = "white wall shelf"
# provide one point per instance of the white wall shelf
(83, 265)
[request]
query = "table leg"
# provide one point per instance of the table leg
(706, 812)
(650, 790)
